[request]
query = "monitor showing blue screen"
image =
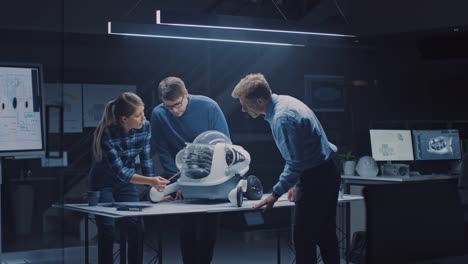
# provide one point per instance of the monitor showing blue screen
(391, 145)
(436, 144)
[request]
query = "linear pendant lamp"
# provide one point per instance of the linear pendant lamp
(158, 21)
(216, 33)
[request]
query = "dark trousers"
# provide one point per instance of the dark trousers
(133, 226)
(315, 214)
(198, 237)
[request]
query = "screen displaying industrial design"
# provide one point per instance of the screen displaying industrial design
(21, 128)
(436, 144)
(391, 145)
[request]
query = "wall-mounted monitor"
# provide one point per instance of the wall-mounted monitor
(21, 126)
(437, 144)
(391, 145)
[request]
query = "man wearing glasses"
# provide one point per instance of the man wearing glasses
(180, 118)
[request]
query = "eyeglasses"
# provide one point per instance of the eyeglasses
(176, 105)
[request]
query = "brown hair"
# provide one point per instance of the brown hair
(171, 88)
(124, 106)
(252, 86)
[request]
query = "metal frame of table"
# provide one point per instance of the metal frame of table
(178, 208)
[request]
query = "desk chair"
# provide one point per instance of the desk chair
(413, 222)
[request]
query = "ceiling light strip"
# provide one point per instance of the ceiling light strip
(109, 31)
(158, 21)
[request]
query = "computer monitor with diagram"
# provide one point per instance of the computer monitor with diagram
(437, 144)
(391, 145)
(22, 131)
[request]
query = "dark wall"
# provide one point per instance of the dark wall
(400, 82)
(212, 69)
(411, 88)
(385, 78)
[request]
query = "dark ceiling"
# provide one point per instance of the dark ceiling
(360, 17)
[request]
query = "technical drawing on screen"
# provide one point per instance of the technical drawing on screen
(437, 144)
(21, 131)
(391, 145)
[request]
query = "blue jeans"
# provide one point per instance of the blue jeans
(106, 226)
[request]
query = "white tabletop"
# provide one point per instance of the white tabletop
(185, 206)
(430, 177)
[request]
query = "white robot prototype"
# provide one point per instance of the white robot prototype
(213, 168)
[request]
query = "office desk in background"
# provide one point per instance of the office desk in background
(359, 180)
(348, 181)
(179, 208)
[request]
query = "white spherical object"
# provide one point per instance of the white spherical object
(212, 137)
(367, 167)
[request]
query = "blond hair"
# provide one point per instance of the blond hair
(124, 105)
(252, 86)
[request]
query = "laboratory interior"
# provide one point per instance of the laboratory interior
(233, 131)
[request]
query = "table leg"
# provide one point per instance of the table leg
(86, 238)
(347, 190)
(123, 241)
(160, 254)
(278, 246)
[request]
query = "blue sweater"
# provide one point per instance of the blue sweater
(170, 133)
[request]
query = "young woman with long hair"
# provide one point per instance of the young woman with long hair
(121, 136)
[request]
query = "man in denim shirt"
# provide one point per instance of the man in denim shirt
(310, 176)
